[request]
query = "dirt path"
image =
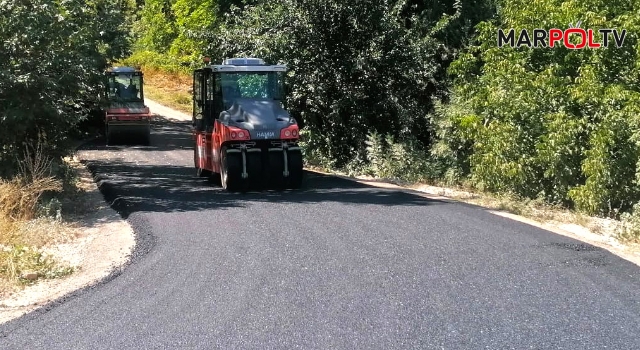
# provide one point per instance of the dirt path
(167, 112)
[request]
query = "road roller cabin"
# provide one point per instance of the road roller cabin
(244, 137)
(126, 115)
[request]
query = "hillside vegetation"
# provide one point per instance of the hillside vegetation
(409, 89)
(52, 55)
(419, 90)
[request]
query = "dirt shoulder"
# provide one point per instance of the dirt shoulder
(103, 242)
(166, 112)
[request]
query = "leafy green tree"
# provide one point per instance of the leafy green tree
(359, 67)
(549, 122)
(52, 58)
(156, 29)
(195, 21)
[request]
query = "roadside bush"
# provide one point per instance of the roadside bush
(405, 160)
(19, 197)
(52, 56)
(551, 123)
(629, 228)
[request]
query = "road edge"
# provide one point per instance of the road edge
(580, 235)
(591, 238)
(107, 244)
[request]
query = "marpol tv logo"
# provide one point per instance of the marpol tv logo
(557, 37)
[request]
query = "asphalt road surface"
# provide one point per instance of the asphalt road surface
(335, 265)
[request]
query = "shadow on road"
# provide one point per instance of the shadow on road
(131, 182)
(166, 135)
(130, 188)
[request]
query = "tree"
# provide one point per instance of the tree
(357, 67)
(50, 68)
(553, 123)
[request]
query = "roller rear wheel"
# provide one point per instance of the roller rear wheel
(275, 172)
(254, 170)
(109, 136)
(231, 170)
(146, 138)
(294, 162)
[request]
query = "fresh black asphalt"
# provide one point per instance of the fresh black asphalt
(335, 265)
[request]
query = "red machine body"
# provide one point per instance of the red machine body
(126, 112)
(242, 134)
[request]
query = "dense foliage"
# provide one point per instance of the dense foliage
(420, 89)
(402, 88)
(51, 58)
(356, 67)
(556, 123)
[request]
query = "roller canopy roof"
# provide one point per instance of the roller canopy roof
(246, 65)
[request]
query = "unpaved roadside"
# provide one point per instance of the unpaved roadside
(166, 112)
(105, 241)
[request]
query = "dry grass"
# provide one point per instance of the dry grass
(19, 196)
(169, 89)
(23, 233)
(39, 232)
(536, 210)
